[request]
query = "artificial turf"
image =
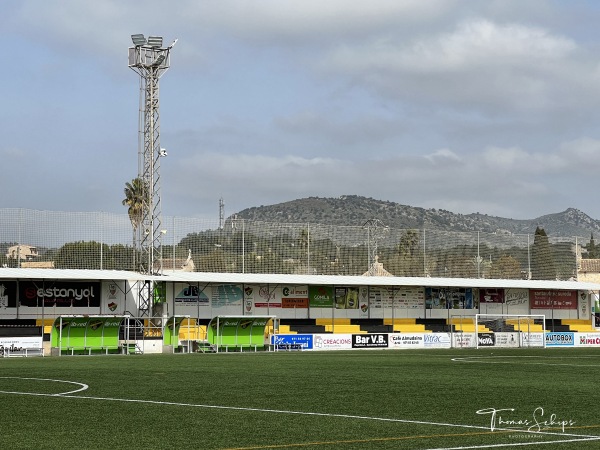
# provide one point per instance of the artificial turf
(370, 399)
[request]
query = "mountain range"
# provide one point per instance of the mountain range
(354, 210)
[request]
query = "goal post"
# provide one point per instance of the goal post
(510, 330)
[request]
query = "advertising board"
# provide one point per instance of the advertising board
(371, 340)
(437, 340)
(332, 341)
(560, 339)
(305, 341)
(16, 344)
(463, 340)
(588, 340)
(59, 294)
(401, 340)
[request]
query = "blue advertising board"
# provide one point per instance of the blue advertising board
(560, 339)
(305, 341)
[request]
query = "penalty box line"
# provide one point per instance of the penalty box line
(305, 413)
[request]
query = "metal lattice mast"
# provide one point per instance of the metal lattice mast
(221, 213)
(150, 60)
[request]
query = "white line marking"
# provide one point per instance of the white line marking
(489, 360)
(306, 413)
(577, 437)
(82, 388)
(516, 444)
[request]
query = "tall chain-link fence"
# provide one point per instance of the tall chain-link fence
(97, 240)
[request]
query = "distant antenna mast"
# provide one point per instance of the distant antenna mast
(221, 214)
(150, 60)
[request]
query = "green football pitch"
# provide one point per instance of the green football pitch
(373, 399)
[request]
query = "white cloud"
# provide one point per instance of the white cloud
(12, 153)
(443, 156)
(480, 64)
(476, 43)
(465, 105)
(583, 155)
(516, 160)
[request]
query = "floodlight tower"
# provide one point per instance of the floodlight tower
(150, 60)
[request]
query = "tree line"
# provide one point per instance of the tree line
(235, 251)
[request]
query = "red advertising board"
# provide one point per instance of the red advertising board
(288, 302)
(491, 295)
(544, 299)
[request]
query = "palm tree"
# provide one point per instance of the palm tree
(135, 199)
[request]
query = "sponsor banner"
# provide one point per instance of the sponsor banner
(463, 340)
(59, 294)
(303, 340)
(449, 298)
(405, 297)
(346, 298)
(265, 296)
(381, 297)
(486, 339)
(272, 296)
(491, 295)
(545, 299)
(516, 297)
(15, 344)
(332, 341)
(320, 296)
(588, 340)
(371, 340)
(401, 340)
(436, 340)
(506, 339)
(294, 303)
(560, 339)
(223, 295)
(186, 295)
(411, 297)
(294, 297)
(532, 339)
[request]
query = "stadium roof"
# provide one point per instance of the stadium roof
(340, 280)
(284, 279)
(70, 274)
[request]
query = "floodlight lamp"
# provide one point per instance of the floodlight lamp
(159, 60)
(138, 39)
(162, 152)
(155, 41)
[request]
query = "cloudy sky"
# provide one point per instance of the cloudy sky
(469, 106)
